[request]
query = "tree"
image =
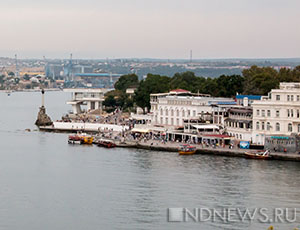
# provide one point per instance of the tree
(228, 86)
(260, 80)
(152, 84)
(127, 81)
(110, 101)
(185, 80)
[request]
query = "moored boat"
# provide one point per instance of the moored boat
(80, 139)
(106, 143)
(186, 150)
(259, 155)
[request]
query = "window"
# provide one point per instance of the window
(292, 113)
(277, 97)
(257, 125)
(177, 112)
(189, 112)
(172, 121)
(288, 97)
(167, 121)
(263, 113)
(298, 97)
(177, 121)
(194, 113)
(298, 114)
(269, 113)
(172, 112)
(288, 113)
(277, 113)
(167, 112)
(268, 126)
(263, 125)
(292, 97)
(290, 127)
(161, 120)
(257, 112)
(298, 128)
(277, 126)
(161, 111)
(183, 113)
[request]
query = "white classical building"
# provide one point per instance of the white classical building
(93, 98)
(174, 107)
(278, 113)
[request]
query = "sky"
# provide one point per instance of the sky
(150, 28)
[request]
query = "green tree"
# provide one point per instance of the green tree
(152, 84)
(185, 80)
(260, 80)
(127, 81)
(110, 101)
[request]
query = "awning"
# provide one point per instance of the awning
(206, 126)
(137, 130)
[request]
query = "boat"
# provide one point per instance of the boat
(259, 155)
(106, 143)
(186, 149)
(80, 139)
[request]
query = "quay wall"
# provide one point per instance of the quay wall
(84, 127)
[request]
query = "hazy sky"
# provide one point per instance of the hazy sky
(150, 28)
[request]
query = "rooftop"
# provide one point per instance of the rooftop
(250, 97)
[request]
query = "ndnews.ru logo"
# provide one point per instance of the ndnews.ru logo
(231, 215)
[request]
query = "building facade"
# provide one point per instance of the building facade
(238, 124)
(171, 109)
(93, 98)
(278, 113)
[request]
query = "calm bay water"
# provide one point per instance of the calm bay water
(47, 184)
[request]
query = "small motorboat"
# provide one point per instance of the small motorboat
(259, 155)
(106, 143)
(80, 139)
(186, 149)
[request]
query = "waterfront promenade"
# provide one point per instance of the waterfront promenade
(226, 151)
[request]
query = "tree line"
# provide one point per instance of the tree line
(255, 80)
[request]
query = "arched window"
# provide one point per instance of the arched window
(172, 112)
(290, 127)
(167, 112)
(161, 111)
(183, 113)
(177, 112)
(257, 125)
(277, 126)
(268, 126)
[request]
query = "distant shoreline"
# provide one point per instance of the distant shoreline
(29, 90)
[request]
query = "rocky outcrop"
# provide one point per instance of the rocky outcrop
(43, 119)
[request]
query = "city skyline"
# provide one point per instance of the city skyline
(143, 29)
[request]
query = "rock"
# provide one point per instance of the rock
(43, 119)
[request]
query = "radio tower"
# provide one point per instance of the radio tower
(17, 70)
